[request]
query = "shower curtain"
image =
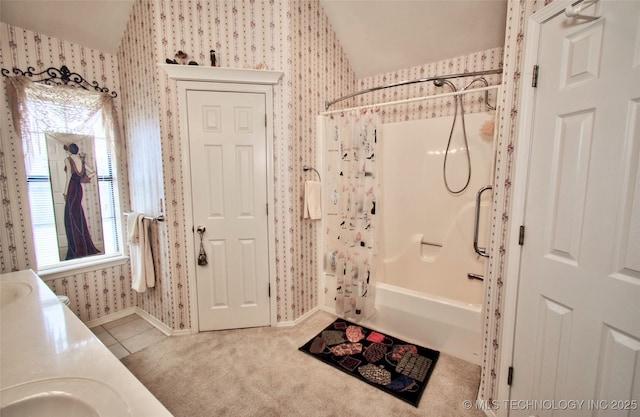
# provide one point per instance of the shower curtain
(351, 174)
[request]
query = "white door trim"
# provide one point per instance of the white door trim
(267, 90)
(519, 191)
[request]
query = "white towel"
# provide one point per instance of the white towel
(132, 228)
(142, 270)
(312, 200)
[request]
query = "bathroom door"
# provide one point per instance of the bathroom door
(227, 142)
(578, 310)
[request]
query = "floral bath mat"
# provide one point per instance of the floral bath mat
(399, 368)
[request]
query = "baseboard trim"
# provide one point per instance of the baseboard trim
(111, 317)
(298, 320)
(330, 310)
(154, 322)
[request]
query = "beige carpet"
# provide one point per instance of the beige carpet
(260, 372)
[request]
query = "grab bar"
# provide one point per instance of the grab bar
(479, 251)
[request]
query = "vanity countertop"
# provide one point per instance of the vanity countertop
(41, 339)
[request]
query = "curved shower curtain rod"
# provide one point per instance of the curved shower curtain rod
(327, 104)
(411, 100)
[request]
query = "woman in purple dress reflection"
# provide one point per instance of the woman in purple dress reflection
(79, 239)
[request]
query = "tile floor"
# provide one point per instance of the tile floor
(127, 335)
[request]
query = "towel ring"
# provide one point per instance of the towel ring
(307, 168)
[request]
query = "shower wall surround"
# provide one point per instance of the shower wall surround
(93, 294)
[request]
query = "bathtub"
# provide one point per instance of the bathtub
(435, 322)
(426, 252)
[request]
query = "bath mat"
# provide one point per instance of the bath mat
(392, 365)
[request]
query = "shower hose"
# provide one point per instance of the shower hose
(440, 83)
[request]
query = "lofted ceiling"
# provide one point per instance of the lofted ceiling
(386, 35)
(377, 35)
(97, 24)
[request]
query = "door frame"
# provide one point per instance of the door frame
(519, 190)
(183, 87)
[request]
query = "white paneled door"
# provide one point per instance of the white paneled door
(227, 137)
(578, 311)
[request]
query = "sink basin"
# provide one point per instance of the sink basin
(49, 404)
(11, 291)
(69, 397)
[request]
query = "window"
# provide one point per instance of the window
(71, 175)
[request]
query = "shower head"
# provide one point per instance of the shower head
(439, 82)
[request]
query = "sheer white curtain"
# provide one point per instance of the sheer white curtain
(46, 117)
(83, 111)
(351, 228)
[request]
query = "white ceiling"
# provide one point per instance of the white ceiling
(97, 24)
(378, 35)
(386, 35)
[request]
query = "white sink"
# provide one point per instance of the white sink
(11, 291)
(57, 397)
(52, 365)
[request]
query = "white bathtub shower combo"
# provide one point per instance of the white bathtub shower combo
(429, 287)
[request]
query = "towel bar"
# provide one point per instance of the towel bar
(159, 218)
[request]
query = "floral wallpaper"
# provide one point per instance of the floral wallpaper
(244, 34)
(320, 72)
(141, 123)
(492, 375)
(93, 294)
(291, 36)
